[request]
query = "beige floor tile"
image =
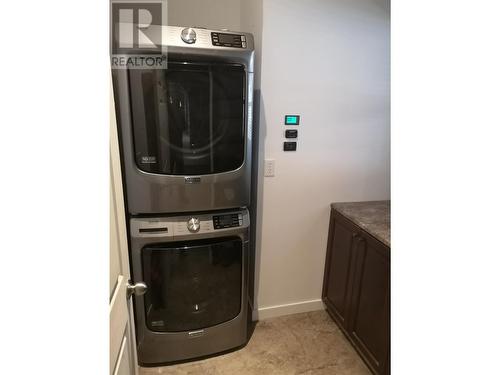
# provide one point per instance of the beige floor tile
(308, 343)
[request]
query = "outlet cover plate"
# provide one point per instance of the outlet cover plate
(269, 167)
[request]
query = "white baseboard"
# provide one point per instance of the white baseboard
(291, 308)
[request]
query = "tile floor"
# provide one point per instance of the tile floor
(308, 343)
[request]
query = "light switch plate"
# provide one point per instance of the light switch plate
(269, 168)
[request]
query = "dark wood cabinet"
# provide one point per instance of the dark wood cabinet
(339, 261)
(369, 317)
(356, 290)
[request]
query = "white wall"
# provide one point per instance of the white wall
(327, 60)
(212, 14)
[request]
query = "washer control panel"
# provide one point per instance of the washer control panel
(229, 40)
(173, 227)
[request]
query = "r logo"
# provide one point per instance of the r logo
(136, 27)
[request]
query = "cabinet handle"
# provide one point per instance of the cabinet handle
(357, 236)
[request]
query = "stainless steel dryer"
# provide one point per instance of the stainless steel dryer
(186, 130)
(196, 271)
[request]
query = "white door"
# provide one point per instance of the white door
(123, 354)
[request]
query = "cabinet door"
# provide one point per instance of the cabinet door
(338, 270)
(369, 314)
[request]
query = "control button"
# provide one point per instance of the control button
(244, 44)
(193, 225)
(205, 227)
(188, 35)
(291, 133)
(289, 146)
(243, 38)
(180, 229)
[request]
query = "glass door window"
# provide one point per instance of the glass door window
(189, 119)
(192, 285)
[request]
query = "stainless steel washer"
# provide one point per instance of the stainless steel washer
(196, 271)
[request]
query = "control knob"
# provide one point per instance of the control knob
(193, 225)
(188, 35)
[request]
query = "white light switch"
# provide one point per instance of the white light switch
(269, 168)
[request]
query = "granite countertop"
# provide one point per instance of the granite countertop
(374, 217)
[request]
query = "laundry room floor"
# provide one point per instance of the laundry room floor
(307, 343)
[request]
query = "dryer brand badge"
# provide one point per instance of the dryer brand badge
(192, 180)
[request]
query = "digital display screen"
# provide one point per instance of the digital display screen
(226, 38)
(292, 119)
(226, 221)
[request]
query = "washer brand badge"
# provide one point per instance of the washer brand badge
(196, 333)
(148, 159)
(192, 180)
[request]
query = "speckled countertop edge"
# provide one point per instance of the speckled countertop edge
(372, 216)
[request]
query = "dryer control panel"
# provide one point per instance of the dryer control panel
(229, 40)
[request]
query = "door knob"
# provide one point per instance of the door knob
(137, 289)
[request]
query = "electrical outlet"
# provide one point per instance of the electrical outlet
(269, 168)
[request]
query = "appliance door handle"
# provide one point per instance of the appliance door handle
(137, 289)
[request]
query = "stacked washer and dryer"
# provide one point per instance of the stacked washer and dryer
(186, 146)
